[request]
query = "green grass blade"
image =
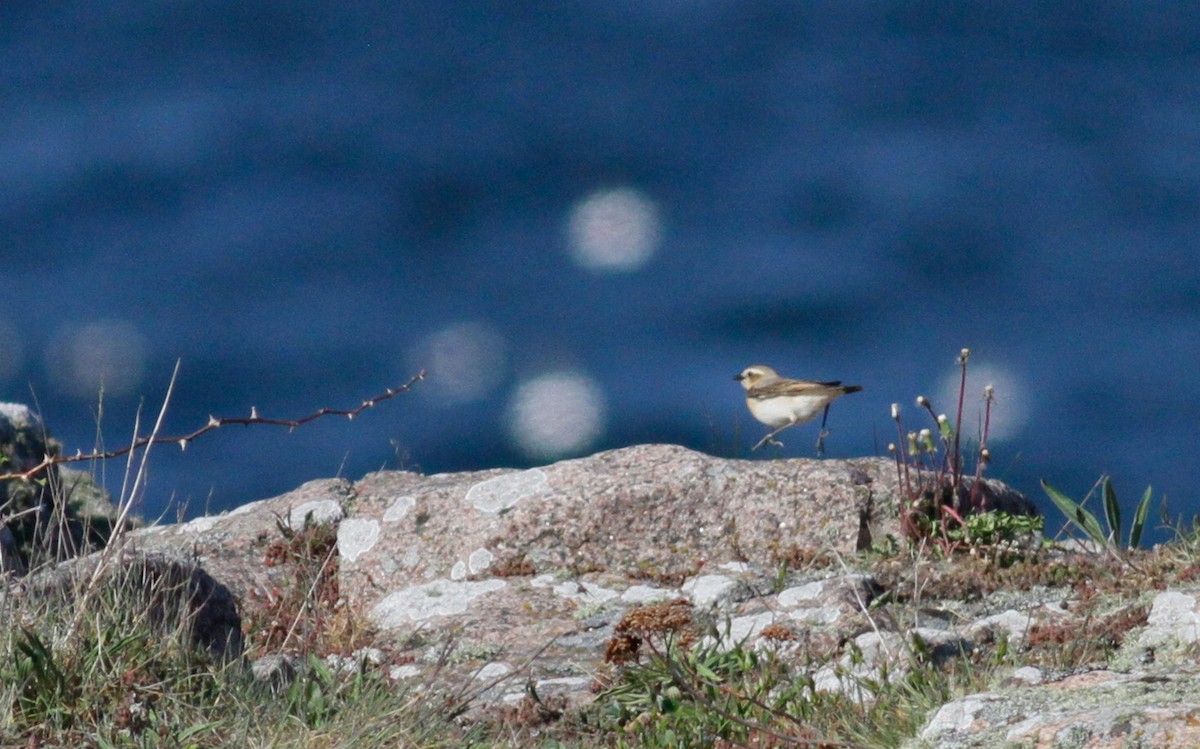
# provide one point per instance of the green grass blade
(1076, 513)
(1112, 510)
(199, 728)
(707, 673)
(1139, 520)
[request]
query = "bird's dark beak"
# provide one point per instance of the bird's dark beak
(738, 377)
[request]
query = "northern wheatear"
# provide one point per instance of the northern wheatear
(781, 403)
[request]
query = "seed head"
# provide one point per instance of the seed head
(944, 427)
(926, 438)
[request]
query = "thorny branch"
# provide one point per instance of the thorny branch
(213, 423)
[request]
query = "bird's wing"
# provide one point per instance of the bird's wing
(794, 387)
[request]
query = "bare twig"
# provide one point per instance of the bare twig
(213, 423)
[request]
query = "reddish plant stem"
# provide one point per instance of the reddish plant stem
(962, 392)
(213, 423)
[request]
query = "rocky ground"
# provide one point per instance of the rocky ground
(506, 583)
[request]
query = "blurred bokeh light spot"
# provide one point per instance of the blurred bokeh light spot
(556, 415)
(1010, 409)
(465, 360)
(12, 354)
(613, 230)
(108, 354)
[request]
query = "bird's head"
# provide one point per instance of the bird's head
(753, 374)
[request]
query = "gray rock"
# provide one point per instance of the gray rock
(235, 547)
(27, 508)
(657, 512)
(58, 514)
(275, 671)
(523, 558)
(493, 580)
(1170, 635)
(1097, 709)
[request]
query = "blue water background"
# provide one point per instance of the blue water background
(292, 198)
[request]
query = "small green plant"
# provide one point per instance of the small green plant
(1002, 537)
(1108, 536)
(1002, 528)
(46, 694)
(936, 492)
(317, 694)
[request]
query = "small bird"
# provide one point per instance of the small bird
(781, 403)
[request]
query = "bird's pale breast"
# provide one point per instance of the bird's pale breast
(781, 410)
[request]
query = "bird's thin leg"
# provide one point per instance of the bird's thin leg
(822, 434)
(771, 437)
